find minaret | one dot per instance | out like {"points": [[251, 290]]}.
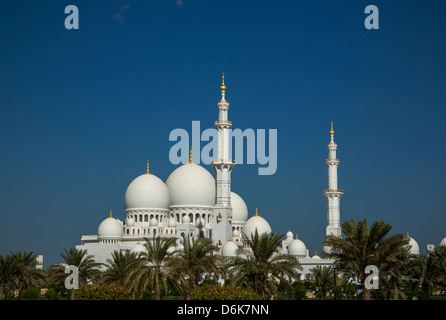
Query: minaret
{"points": [[333, 194], [222, 167]]}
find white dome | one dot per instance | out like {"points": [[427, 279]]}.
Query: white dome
{"points": [[153, 222], [289, 235], [297, 248], [229, 249], [172, 222], [235, 233], [443, 242], [239, 208], [139, 248], [191, 186], [110, 228], [147, 191], [186, 219], [316, 257], [414, 247], [256, 222]]}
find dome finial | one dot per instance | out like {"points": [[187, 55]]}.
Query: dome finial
{"points": [[257, 214], [296, 236], [223, 87], [331, 131], [111, 214], [148, 172], [190, 155], [407, 235]]}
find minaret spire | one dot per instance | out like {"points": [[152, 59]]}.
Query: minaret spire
{"points": [[223, 87], [333, 194]]}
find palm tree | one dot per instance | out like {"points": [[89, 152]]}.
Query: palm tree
{"points": [[262, 262], [23, 270], [396, 268], [323, 279], [364, 246], [430, 271], [190, 264], [88, 268], [120, 267], [439, 256], [6, 272], [151, 268]]}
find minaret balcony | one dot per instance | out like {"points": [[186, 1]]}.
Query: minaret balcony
{"points": [[224, 161], [223, 121], [333, 191], [223, 124]]}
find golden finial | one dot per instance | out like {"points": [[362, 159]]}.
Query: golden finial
{"points": [[407, 235], [296, 236], [111, 214], [223, 87], [331, 131], [148, 172], [257, 214], [190, 155]]}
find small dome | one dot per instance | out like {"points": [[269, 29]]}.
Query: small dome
{"points": [[443, 242], [235, 233], [256, 222], [191, 186], [289, 235], [316, 257], [413, 245], [139, 248], [186, 219], [147, 191], [110, 228], [172, 222], [297, 248], [239, 208], [229, 249], [153, 222]]}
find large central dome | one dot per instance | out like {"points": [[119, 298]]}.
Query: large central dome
{"points": [[147, 191], [191, 186]]}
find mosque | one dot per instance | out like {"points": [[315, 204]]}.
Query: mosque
{"points": [[193, 203]]}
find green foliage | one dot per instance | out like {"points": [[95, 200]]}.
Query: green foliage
{"points": [[218, 292], [51, 294], [101, 292], [31, 293], [208, 282], [299, 290]]}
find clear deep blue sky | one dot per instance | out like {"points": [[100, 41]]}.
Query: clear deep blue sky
{"points": [[82, 110]]}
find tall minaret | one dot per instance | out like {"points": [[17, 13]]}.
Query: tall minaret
{"points": [[222, 167], [333, 194]]}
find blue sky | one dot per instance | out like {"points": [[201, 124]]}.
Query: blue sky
{"points": [[82, 110]]}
